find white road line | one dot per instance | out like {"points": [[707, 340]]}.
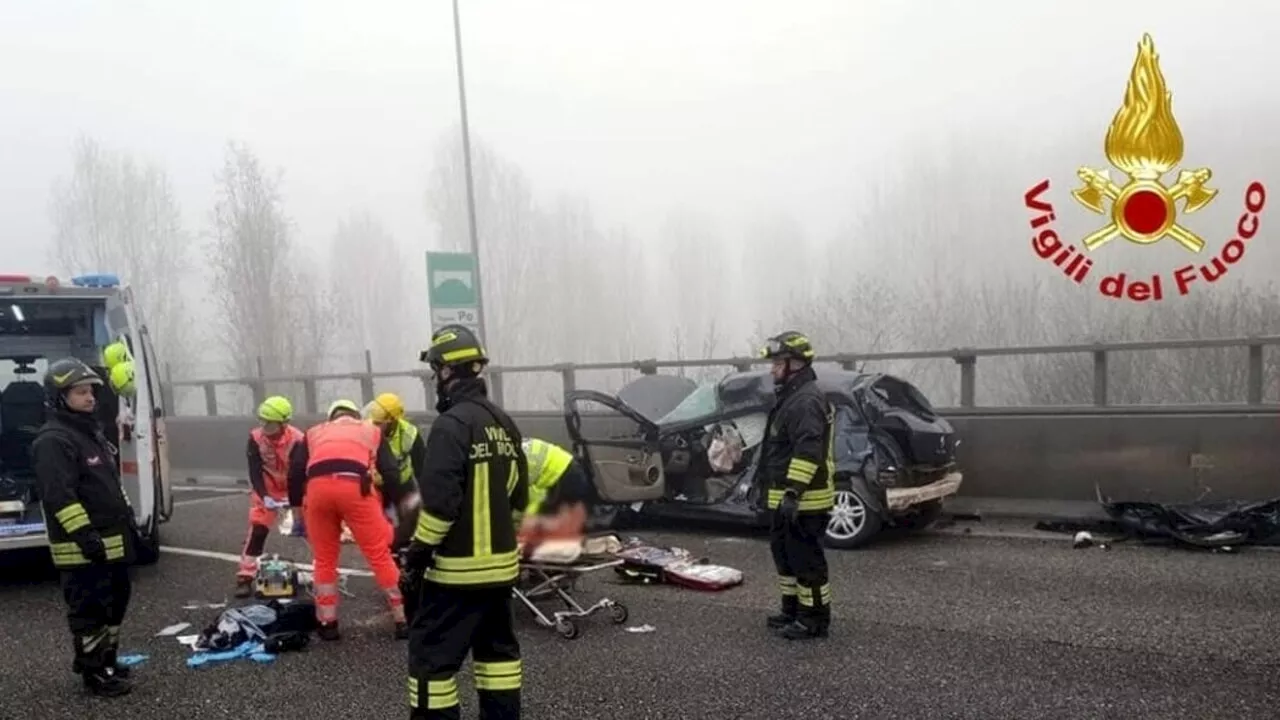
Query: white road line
{"points": [[228, 557], [209, 489], [197, 501]]}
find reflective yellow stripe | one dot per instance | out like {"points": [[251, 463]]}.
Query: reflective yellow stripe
{"points": [[822, 595], [513, 477], [810, 500], [801, 471], [431, 529], [497, 676], [413, 692], [496, 568], [72, 517], [482, 527], [67, 554], [787, 585], [90, 642], [442, 694], [463, 354]]}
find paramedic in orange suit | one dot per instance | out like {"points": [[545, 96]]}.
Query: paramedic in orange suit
{"points": [[269, 451], [330, 477]]}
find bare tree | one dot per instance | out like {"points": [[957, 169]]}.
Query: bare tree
{"points": [[369, 285], [273, 315], [116, 215]]}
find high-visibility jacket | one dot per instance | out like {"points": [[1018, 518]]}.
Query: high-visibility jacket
{"points": [[547, 464], [345, 444], [475, 482], [798, 452], [401, 443], [269, 460]]}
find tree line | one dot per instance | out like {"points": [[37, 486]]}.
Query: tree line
{"points": [[564, 285]]}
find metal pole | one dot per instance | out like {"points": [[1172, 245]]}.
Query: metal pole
{"points": [[466, 156]]}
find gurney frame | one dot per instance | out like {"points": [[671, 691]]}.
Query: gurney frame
{"points": [[557, 579]]}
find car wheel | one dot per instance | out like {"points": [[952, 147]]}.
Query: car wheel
{"points": [[853, 523]]}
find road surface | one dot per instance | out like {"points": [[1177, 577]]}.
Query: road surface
{"points": [[939, 625]]}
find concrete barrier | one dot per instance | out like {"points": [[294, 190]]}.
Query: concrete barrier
{"points": [[1160, 457]]}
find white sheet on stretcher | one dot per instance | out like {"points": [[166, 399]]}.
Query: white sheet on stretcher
{"points": [[557, 552]]}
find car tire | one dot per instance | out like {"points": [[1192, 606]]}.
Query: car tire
{"points": [[853, 523]]}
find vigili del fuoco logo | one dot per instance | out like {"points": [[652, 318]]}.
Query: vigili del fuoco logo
{"points": [[1145, 143]]}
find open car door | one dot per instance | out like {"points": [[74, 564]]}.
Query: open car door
{"points": [[160, 445], [617, 445], [136, 447]]}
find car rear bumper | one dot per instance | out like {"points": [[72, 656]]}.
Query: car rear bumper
{"points": [[900, 499]]}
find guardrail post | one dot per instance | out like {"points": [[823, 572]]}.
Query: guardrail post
{"points": [[166, 391], [309, 396], [968, 381], [567, 378], [647, 367], [428, 391], [366, 381], [1100, 377], [495, 388], [1253, 391], [742, 364], [211, 399], [259, 385]]}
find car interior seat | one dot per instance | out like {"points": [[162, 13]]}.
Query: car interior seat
{"points": [[21, 415]]}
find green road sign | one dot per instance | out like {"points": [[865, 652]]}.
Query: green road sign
{"points": [[451, 281]]}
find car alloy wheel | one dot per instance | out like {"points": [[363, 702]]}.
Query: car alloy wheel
{"points": [[848, 516]]}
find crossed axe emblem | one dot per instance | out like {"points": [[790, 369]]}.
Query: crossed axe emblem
{"points": [[1098, 185]]}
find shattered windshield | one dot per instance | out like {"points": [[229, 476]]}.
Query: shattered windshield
{"points": [[701, 403]]}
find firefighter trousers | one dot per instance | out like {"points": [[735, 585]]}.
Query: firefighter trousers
{"points": [[449, 623], [801, 563], [330, 501], [97, 596]]}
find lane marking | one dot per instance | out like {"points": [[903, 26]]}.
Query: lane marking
{"points": [[210, 489], [229, 557], [197, 501]]}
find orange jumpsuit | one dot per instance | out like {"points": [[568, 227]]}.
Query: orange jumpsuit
{"points": [[330, 476], [269, 476]]}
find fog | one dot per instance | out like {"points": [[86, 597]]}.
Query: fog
{"points": [[653, 180]]}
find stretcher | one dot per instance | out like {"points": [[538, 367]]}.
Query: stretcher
{"points": [[554, 576]]}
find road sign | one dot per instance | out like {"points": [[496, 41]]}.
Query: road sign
{"points": [[452, 291]]}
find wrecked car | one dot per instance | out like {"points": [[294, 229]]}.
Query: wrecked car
{"points": [[666, 446]]}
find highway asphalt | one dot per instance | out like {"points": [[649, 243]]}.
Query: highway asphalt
{"points": [[938, 625]]}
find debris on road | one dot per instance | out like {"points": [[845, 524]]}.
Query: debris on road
{"points": [[173, 629], [1083, 539], [646, 628], [643, 563]]}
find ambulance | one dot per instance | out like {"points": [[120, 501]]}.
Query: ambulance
{"points": [[42, 320]]}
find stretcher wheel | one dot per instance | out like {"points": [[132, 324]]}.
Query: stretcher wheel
{"points": [[567, 629], [618, 613]]}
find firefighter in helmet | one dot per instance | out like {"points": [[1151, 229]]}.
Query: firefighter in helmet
{"points": [[796, 471], [463, 557], [410, 451]]}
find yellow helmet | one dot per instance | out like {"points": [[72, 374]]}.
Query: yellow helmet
{"points": [[115, 354], [385, 408], [122, 379], [276, 408]]}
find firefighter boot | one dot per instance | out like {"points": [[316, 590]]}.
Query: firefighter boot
{"points": [[809, 624], [103, 682], [790, 607], [244, 586], [329, 631], [116, 669]]}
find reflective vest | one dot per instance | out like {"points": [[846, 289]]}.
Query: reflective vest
{"points": [[547, 462], [401, 443], [345, 438], [275, 455]]}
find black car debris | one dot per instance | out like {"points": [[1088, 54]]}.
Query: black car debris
{"points": [[666, 446]]}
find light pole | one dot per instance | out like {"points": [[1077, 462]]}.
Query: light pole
{"points": [[466, 157]]}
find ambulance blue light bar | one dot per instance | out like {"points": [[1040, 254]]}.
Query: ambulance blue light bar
{"points": [[101, 280]]}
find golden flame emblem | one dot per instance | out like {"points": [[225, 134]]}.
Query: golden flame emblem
{"points": [[1144, 142]]}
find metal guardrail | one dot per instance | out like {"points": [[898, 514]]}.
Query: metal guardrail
{"points": [[965, 358]]}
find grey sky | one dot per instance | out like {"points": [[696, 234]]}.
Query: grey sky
{"points": [[738, 107]]}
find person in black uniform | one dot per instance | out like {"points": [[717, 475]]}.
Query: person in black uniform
{"points": [[796, 470], [91, 527], [463, 556]]}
